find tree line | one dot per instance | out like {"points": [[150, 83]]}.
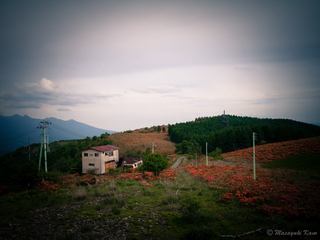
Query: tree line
{"points": [[229, 132]]}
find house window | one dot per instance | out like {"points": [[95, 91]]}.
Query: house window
{"points": [[85, 154], [108, 154], [96, 154], [91, 164]]}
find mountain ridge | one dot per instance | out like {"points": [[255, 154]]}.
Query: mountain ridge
{"points": [[21, 130]]}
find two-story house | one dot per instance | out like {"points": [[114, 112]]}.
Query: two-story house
{"points": [[99, 159]]}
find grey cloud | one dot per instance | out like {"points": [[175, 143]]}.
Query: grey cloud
{"points": [[34, 99], [313, 95]]}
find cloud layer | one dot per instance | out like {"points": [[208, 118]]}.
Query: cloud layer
{"points": [[126, 64]]}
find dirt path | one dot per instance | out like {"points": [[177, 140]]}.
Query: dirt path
{"points": [[178, 162]]}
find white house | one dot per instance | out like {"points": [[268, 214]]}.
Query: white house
{"points": [[99, 159]]}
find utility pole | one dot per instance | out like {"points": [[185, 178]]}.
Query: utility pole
{"points": [[29, 147], [43, 126], [196, 160], [207, 163], [152, 148], [254, 154]]}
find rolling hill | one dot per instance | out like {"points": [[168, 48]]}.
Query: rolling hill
{"points": [[17, 131], [230, 132]]}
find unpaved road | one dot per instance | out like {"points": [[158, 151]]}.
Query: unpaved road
{"points": [[178, 162]]}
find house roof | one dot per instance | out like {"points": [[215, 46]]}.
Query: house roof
{"points": [[130, 160], [103, 148]]}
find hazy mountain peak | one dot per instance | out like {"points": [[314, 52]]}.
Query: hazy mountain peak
{"points": [[18, 130]]}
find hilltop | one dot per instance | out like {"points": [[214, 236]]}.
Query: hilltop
{"points": [[229, 132]]}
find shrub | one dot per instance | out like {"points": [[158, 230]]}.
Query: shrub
{"points": [[154, 163]]}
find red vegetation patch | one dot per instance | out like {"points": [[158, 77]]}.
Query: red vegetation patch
{"points": [[48, 186], [267, 193], [276, 151], [168, 174], [144, 178]]}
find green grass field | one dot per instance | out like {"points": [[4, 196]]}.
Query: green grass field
{"points": [[186, 208]]}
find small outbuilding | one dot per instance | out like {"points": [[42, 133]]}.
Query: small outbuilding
{"points": [[131, 162], [100, 159]]}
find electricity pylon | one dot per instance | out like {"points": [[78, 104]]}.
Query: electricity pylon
{"points": [[43, 126]]}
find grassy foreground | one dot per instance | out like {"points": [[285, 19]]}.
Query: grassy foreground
{"points": [[184, 208]]}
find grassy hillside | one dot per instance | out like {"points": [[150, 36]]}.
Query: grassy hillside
{"points": [[142, 140], [233, 132]]}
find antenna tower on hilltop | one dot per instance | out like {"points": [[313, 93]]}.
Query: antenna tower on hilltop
{"points": [[225, 118]]}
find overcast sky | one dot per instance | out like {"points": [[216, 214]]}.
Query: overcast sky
{"points": [[128, 64]]}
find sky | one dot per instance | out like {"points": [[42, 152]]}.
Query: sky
{"points": [[129, 64]]}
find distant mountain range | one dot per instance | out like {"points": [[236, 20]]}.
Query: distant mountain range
{"points": [[17, 131]]}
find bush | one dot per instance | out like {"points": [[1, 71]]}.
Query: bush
{"points": [[216, 153], [154, 163]]}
